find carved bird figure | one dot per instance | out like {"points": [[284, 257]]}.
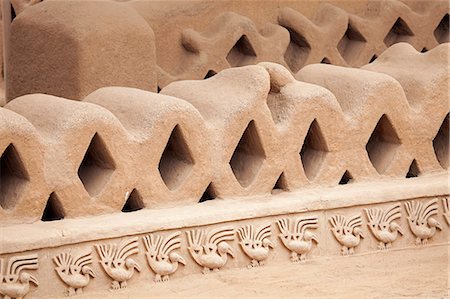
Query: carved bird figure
{"points": [[382, 225], [347, 232], [255, 245], [296, 237], [422, 225], [14, 283], [210, 251], [446, 204], [161, 256], [115, 260], [75, 273]]}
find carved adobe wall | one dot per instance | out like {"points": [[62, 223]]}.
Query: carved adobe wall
{"points": [[203, 39]]}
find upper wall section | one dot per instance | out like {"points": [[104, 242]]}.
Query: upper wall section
{"points": [[197, 39], [71, 48]]}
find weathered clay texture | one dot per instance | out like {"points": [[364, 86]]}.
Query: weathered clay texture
{"points": [[246, 131], [71, 48]]}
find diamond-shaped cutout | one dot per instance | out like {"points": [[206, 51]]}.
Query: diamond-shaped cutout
{"points": [[248, 156], [242, 53], [209, 194], [210, 74], [297, 52], [314, 150], [424, 50], [325, 60], [280, 185], [441, 32], [346, 178], [13, 177], [97, 166], [351, 44], [134, 202], [383, 144], [441, 143], [176, 161], [374, 57], [53, 209], [413, 170], [400, 32]]}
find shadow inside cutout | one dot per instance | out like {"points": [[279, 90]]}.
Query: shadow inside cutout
{"points": [[13, 177], [97, 166], [53, 209], [248, 156]]}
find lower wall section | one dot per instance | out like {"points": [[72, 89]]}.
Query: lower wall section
{"points": [[94, 254]]}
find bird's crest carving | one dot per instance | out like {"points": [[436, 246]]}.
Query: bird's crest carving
{"points": [[161, 256], [256, 243], [420, 219], [74, 272], [14, 282], [382, 225], [210, 250], [115, 260], [347, 231], [297, 237]]}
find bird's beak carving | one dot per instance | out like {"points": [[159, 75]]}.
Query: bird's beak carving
{"points": [[34, 280], [438, 225], [230, 252], [182, 261], [90, 272], [314, 237]]}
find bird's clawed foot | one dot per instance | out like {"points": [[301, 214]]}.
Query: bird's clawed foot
{"points": [[123, 284], [205, 270], [115, 285], [381, 246], [424, 241], [261, 263], [344, 251], [418, 241], [71, 292], [79, 291], [165, 278], [157, 278], [253, 264], [388, 245], [294, 257], [351, 251]]}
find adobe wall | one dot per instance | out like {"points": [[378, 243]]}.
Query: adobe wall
{"points": [[122, 166]]}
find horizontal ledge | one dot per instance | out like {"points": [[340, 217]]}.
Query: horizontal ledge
{"points": [[23, 237]]}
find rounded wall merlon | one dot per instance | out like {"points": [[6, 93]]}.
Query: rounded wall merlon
{"points": [[123, 149], [71, 49]]}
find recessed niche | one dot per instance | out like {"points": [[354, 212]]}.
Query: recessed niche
{"points": [[13, 177], [176, 161], [281, 184], [242, 53], [413, 170], [297, 52], [248, 156], [441, 33], [400, 32], [424, 50], [210, 74], [314, 150], [209, 194], [325, 60], [53, 209], [374, 57], [441, 143], [346, 178], [351, 44], [97, 166], [134, 202], [383, 144]]}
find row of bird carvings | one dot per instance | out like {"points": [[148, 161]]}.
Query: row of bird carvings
{"points": [[210, 248]]}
